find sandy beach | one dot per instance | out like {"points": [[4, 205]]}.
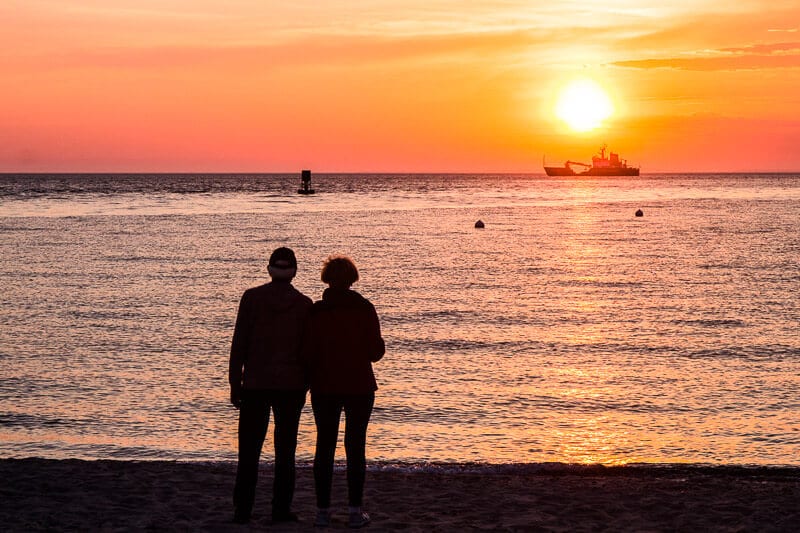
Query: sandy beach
{"points": [[40, 494]]}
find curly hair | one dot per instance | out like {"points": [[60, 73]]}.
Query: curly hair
{"points": [[339, 271]]}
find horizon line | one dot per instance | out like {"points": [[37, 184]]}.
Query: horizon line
{"points": [[366, 172]]}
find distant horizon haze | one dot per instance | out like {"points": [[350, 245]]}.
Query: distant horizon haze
{"points": [[322, 173]]}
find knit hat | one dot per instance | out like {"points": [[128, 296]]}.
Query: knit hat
{"points": [[282, 264]]}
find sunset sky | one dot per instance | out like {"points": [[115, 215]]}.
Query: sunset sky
{"points": [[387, 86]]}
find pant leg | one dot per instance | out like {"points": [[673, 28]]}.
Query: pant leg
{"points": [[327, 411], [253, 422], [286, 406], [357, 411]]}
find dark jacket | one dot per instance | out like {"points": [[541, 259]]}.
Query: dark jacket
{"points": [[343, 340], [265, 351]]}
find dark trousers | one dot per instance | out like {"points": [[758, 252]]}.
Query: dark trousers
{"points": [[253, 422], [327, 411]]}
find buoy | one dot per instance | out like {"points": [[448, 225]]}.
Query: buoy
{"points": [[479, 224], [639, 213], [305, 176]]}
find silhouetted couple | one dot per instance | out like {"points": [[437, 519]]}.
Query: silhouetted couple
{"points": [[282, 345]]}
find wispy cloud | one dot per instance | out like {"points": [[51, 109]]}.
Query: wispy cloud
{"points": [[312, 50], [752, 57]]}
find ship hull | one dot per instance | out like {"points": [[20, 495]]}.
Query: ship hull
{"points": [[565, 171], [623, 171], [559, 171]]}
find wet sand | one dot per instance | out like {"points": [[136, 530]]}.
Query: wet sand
{"points": [[38, 494]]}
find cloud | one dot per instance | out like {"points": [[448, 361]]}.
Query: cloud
{"points": [[751, 57], [328, 50], [764, 49]]}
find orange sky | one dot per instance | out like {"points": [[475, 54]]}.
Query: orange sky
{"points": [[387, 86]]}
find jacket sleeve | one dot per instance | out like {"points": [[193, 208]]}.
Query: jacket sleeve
{"points": [[307, 350], [239, 344], [377, 347]]}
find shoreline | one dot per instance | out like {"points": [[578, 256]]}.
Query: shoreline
{"points": [[73, 494]]}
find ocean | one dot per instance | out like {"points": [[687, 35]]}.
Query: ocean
{"points": [[567, 330]]}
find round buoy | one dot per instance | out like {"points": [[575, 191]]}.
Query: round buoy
{"points": [[639, 213], [479, 224]]}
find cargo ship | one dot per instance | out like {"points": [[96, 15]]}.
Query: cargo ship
{"points": [[601, 166]]}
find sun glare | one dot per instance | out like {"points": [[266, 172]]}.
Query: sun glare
{"points": [[583, 105]]}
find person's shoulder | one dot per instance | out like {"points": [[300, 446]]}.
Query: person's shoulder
{"points": [[283, 290], [254, 291], [301, 298], [361, 299]]}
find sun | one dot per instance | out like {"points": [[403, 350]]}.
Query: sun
{"points": [[583, 105]]}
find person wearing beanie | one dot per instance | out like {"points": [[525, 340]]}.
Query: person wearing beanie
{"points": [[266, 373], [343, 340]]}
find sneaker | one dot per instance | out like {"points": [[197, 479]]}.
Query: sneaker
{"points": [[323, 518], [358, 519], [284, 516]]}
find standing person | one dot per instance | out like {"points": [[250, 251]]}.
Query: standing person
{"points": [[266, 373], [344, 340]]}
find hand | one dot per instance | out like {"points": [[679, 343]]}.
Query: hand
{"points": [[236, 398]]}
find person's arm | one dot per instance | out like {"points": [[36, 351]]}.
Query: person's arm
{"points": [[377, 347], [241, 337], [306, 354]]}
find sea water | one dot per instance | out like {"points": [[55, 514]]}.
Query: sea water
{"points": [[566, 330]]}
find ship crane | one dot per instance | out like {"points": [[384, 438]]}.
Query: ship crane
{"points": [[576, 163]]}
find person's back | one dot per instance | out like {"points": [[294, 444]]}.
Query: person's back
{"points": [[346, 341], [271, 321]]}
